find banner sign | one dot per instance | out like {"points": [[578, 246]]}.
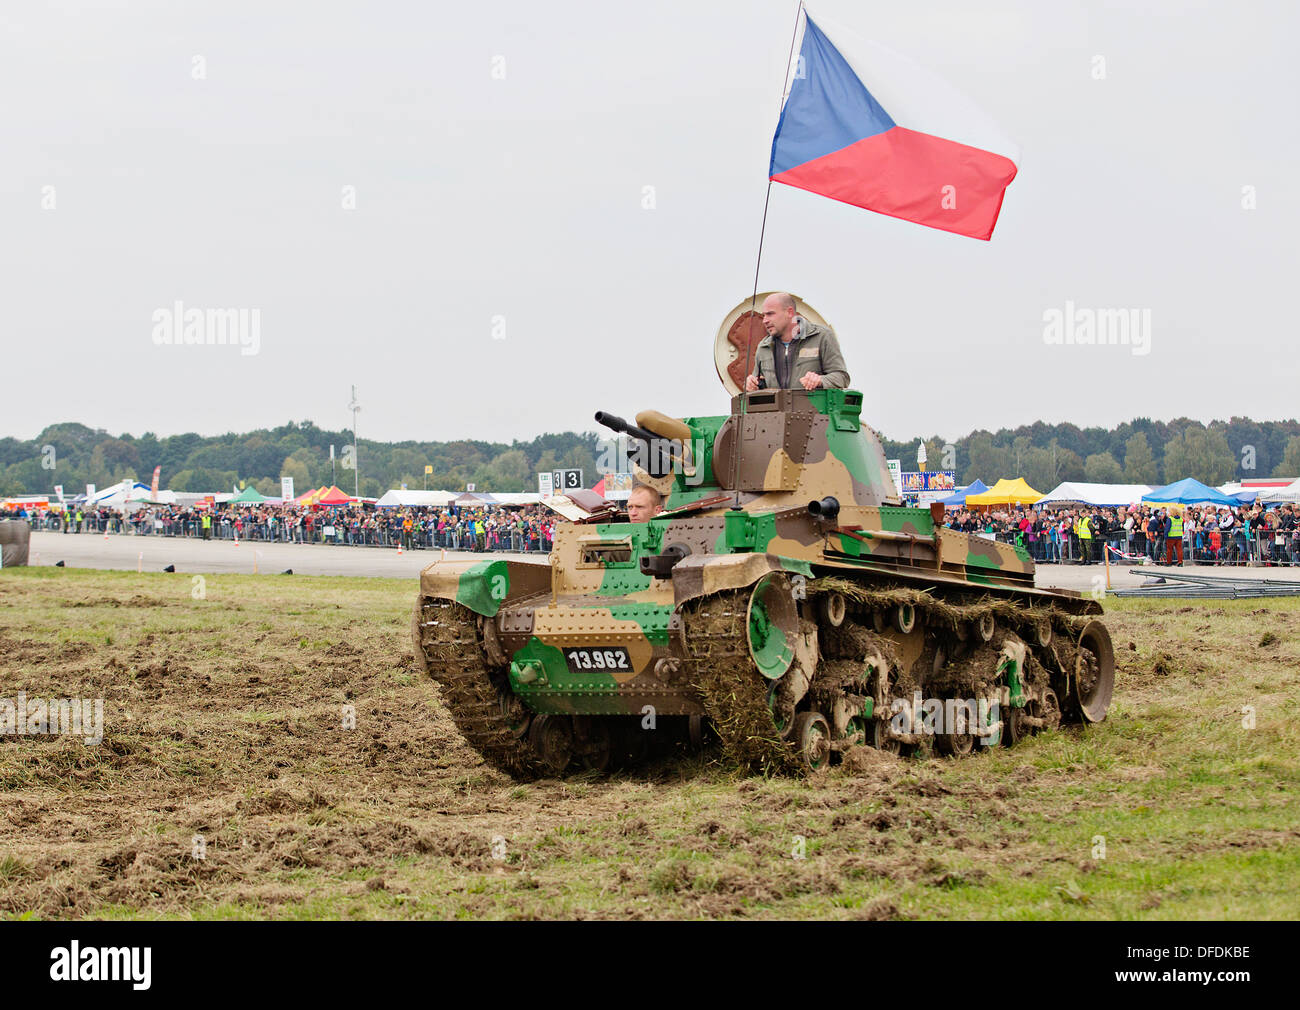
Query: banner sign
{"points": [[546, 484], [896, 472], [286, 489], [915, 481]]}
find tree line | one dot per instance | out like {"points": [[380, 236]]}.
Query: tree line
{"points": [[74, 455], [1141, 451]]}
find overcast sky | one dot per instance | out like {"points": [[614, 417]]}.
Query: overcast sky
{"points": [[500, 274]]}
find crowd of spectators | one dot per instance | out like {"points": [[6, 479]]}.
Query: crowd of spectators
{"points": [[495, 528], [1200, 534], [1206, 534]]}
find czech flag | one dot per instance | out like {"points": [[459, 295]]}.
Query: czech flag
{"points": [[867, 126]]}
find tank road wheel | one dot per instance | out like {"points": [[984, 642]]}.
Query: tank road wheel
{"points": [[955, 744], [1094, 672], [552, 739], [1043, 633], [879, 738], [1045, 715], [773, 622], [695, 732], [516, 714], [986, 627], [595, 746], [856, 731], [783, 721], [905, 618], [812, 735], [1051, 710]]}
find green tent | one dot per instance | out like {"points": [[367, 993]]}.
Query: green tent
{"points": [[248, 496]]}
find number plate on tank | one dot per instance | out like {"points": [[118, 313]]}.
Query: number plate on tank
{"points": [[585, 660]]}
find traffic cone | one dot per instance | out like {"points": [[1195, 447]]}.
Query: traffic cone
{"points": [[399, 548]]}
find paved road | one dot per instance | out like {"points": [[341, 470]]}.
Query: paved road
{"points": [[152, 554]]}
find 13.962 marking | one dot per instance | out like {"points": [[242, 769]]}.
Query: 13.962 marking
{"points": [[597, 659]]}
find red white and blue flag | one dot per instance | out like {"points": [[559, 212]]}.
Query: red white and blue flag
{"points": [[867, 126]]}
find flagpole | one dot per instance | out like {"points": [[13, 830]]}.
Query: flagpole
{"points": [[753, 301]]}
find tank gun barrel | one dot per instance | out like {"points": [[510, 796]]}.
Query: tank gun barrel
{"points": [[616, 423], [656, 447]]}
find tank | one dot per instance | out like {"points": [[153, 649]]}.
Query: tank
{"points": [[784, 604]]}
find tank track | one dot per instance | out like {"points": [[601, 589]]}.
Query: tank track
{"points": [[733, 693], [450, 649], [735, 696]]}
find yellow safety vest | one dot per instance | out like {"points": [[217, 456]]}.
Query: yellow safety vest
{"points": [[1176, 526]]}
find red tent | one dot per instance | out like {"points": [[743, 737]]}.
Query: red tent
{"points": [[600, 487], [335, 497]]}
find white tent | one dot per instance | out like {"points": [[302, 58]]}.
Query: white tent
{"points": [[122, 495], [518, 497], [1289, 493], [1074, 493], [407, 499]]}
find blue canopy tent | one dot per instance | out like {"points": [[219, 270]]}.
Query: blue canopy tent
{"points": [[958, 498], [1189, 491]]}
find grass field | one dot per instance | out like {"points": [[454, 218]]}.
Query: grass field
{"points": [[224, 735]]}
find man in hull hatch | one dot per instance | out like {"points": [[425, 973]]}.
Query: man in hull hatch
{"points": [[795, 353]]}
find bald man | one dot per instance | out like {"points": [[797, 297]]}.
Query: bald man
{"points": [[795, 353]]}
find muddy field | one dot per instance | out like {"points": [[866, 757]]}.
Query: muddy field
{"points": [[228, 783]]}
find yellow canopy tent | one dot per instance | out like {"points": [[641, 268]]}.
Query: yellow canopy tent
{"points": [[1005, 492]]}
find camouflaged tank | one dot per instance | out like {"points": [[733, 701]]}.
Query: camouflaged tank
{"points": [[784, 600]]}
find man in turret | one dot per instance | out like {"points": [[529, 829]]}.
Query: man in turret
{"points": [[796, 353]]}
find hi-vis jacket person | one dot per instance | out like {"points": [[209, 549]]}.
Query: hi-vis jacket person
{"points": [[795, 353]]}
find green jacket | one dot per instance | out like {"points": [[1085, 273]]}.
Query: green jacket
{"points": [[815, 349]]}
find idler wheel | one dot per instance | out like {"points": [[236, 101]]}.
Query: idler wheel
{"points": [[812, 734], [986, 627], [905, 618], [1094, 672], [552, 739]]}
